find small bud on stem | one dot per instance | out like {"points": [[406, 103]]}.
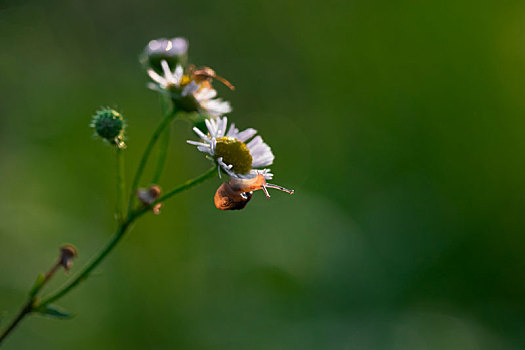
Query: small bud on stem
{"points": [[150, 195], [109, 124], [67, 254]]}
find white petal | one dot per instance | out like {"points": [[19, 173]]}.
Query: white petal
{"points": [[177, 74], [211, 128], [253, 143], [226, 167], [221, 131], [216, 107], [205, 94], [246, 134], [206, 150], [232, 131], [156, 78], [261, 153], [201, 134], [196, 143], [167, 71]]}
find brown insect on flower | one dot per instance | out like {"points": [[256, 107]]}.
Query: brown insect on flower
{"points": [[206, 75], [236, 193]]}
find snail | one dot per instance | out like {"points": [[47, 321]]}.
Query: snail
{"points": [[236, 193]]}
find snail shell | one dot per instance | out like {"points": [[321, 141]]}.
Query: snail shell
{"points": [[236, 193], [226, 198]]}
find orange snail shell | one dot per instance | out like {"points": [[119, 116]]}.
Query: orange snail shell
{"points": [[235, 194]]}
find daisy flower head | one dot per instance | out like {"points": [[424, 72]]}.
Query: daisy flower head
{"points": [[240, 154], [189, 92], [230, 148]]}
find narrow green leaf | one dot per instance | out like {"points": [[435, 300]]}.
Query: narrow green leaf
{"points": [[53, 311], [37, 285]]}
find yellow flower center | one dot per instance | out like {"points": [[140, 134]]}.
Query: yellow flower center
{"points": [[234, 152], [185, 80]]}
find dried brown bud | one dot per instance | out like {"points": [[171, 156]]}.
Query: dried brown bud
{"points": [[147, 197], [67, 254]]}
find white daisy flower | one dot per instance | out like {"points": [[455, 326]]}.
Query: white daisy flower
{"points": [[188, 94], [238, 153]]}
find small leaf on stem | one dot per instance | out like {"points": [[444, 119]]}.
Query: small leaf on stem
{"points": [[53, 311]]}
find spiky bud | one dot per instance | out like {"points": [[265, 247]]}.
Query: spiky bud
{"points": [[109, 124]]}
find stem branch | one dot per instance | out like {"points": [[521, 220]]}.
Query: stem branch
{"points": [[124, 223], [132, 216]]}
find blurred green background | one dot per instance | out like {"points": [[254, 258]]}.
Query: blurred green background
{"points": [[400, 124]]}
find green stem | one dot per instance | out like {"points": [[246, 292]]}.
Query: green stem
{"points": [[121, 185], [26, 310], [164, 142], [188, 184], [165, 122], [185, 186], [161, 159]]}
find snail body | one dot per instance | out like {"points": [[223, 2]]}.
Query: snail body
{"points": [[236, 193]]}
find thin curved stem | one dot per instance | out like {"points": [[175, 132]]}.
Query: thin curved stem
{"points": [[164, 141], [185, 186], [26, 310], [188, 184], [165, 122], [121, 185], [161, 159]]}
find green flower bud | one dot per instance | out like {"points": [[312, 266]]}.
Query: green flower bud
{"points": [[109, 124], [174, 51]]}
